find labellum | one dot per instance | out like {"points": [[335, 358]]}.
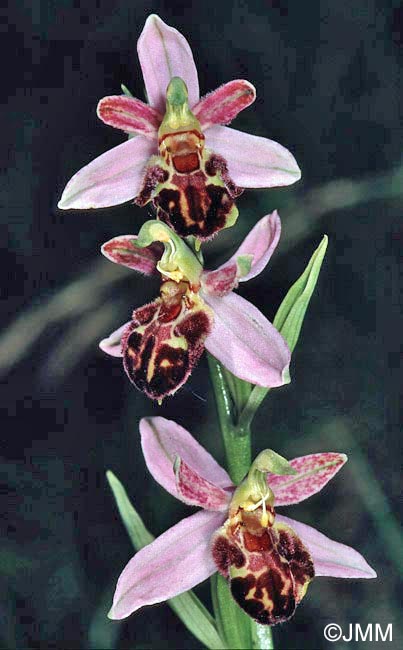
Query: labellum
{"points": [[188, 185], [267, 565], [165, 339]]}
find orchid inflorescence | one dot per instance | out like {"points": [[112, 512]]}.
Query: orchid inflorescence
{"points": [[182, 159]]}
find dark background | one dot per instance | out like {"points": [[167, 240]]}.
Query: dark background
{"points": [[328, 82]]}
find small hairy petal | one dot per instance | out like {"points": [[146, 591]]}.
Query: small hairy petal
{"points": [[130, 115], [261, 242], [164, 53], [314, 471], [246, 343], [330, 558], [258, 246], [162, 440], [123, 250], [222, 280], [222, 105], [173, 563], [253, 161], [112, 345], [197, 491], [112, 178]]}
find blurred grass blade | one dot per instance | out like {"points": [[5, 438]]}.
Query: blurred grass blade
{"points": [[187, 606], [288, 321], [102, 632], [232, 620], [290, 315]]}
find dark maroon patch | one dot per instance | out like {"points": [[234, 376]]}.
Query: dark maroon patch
{"points": [[226, 554], [154, 176], [171, 369], [203, 210], [144, 315], [194, 328], [218, 165], [152, 364], [298, 557]]}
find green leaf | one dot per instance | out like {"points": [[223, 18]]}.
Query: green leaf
{"points": [[289, 318], [186, 606], [232, 620], [262, 638], [288, 321], [138, 533], [126, 91]]}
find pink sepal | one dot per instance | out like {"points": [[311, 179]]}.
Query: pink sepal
{"points": [[246, 343], [163, 440], [314, 471], [223, 104], [114, 177], [164, 53], [197, 491], [261, 243], [130, 115], [253, 161], [176, 561], [329, 557], [122, 250]]}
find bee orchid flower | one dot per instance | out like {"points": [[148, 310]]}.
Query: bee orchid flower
{"points": [[268, 559], [182, 158], [196, 309]]}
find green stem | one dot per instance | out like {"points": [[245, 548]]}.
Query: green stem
{"points": [[231, 396], [237, 440]]}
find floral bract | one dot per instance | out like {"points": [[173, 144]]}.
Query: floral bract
{"points": [[187, 163], [196, 309], [268, 559]]}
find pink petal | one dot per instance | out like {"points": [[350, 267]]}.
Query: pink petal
{"points": [[246, 343], [314, 471], [253, 161], [197, 491], [162, 440], [130, 115], [112, 344], [164, 53], [122, 250], [223, 105], [330, 558], [222, 280], [112, 178], [173, 563], [261, 242]]}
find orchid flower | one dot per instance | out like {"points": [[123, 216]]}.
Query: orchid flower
{"points": [[268, 559], [185, 162], [196, 309]]}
